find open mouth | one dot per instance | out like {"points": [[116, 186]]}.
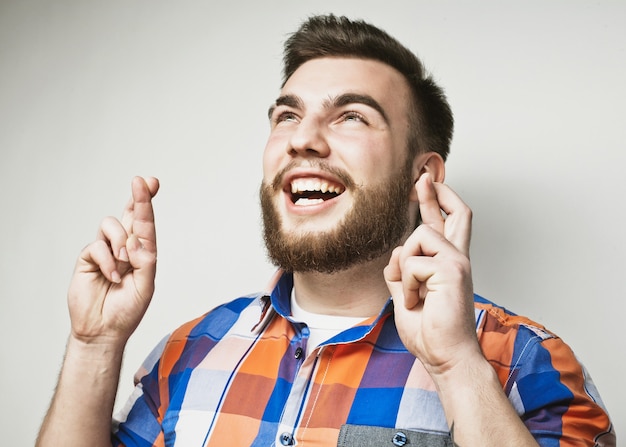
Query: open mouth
{"points": [[312, 191]]}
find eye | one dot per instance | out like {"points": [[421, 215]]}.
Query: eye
{"points": [[283, 116], [352, 116]]}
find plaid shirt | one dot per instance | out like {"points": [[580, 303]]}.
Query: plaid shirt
{"points": [[238, 376]]}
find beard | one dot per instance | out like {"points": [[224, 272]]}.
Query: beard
{"points": [[377, 223]]}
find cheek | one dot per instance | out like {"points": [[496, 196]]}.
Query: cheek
{"points": [[272, 155], [372, 159]]}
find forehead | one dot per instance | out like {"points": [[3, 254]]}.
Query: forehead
{"points": [[326, 77]]}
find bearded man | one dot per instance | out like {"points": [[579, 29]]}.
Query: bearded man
{"points": [[371, 335]]}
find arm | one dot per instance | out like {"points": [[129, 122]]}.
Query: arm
{"points": [[110, 290], [429, 278]]}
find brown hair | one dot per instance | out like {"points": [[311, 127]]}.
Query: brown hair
{"points": [[331, 36]]}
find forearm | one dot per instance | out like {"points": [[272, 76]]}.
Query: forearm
{"points": [[478, 411], [82, 406]]}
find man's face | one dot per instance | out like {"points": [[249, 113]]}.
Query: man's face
{"points": [[336, 178]]}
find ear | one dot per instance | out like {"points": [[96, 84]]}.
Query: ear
{"points": [[430, 162]]}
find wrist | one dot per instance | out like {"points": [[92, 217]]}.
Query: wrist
{"points": [[101, 349], [463, 385], [468, 371], [477, 408]]}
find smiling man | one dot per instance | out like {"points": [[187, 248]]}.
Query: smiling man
{"points": [[336, 165], [371, 334]]}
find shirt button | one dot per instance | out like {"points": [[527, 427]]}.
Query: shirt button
{"points": [[286, 439], [297, 355], [399, 439]]}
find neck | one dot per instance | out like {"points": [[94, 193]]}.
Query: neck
{"points": [[359, 291]]}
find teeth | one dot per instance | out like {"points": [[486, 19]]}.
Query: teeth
{"points": [[304, 202], [313, 185]]}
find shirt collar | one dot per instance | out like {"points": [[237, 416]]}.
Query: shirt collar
{"points": [[279, 302]]}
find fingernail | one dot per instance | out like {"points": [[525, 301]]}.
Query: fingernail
{"points": [[115, 277], [123, 254]]}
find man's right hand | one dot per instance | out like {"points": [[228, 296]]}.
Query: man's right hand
{"points": [[110, 291], [113, 281]]}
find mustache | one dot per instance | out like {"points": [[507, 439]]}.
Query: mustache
{"points": [[341, 174]]}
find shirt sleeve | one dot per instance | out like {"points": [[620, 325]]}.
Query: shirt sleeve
{"points": [[555, 395], [138, 422]]}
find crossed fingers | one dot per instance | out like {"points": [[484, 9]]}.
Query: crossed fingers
{"points": [[444, 211], [135, 230]]}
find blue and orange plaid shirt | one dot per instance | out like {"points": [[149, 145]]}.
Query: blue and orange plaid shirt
{"points": [[238, 376]]}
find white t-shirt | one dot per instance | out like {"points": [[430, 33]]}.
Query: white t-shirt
{"points": [[321, 326]]}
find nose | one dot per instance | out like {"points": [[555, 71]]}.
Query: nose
{"points": [[308, 140]]}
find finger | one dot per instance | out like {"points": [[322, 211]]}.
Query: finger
{"points": [[393, 275], [425, 241], [430, 209], [419, 250], [406, 280], [143, 262], [416, 261], [143, 213], [153, 185], [142, 191], [458, 221], [112, 232], [417, 270], [392, 272], [97, 256]]}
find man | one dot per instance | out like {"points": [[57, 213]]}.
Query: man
{"points": [[352, 200]]}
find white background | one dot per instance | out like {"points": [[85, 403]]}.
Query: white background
{"points": [[92, 93]]}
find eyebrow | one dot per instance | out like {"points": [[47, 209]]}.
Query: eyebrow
{"points": [[338, 101], [292, 101], [357, 98]]}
